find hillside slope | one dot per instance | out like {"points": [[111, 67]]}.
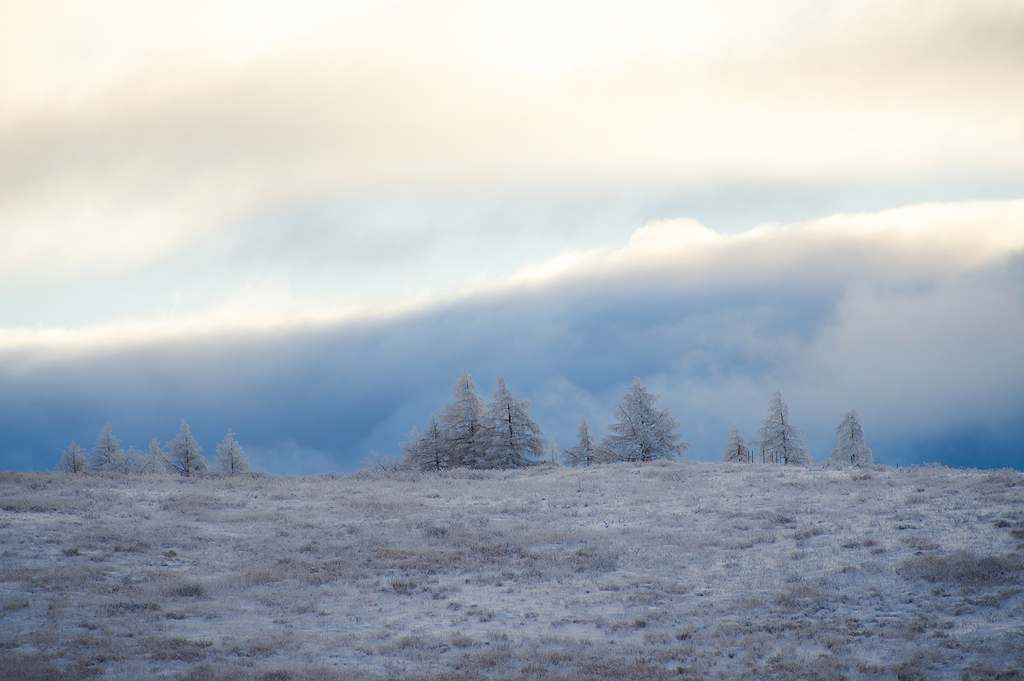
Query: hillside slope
{"points": [[663, 570]]}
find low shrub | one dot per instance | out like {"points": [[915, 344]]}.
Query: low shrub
{"points": [[12, 603], [593, 559], [189, 590], [183, 649], [965, 568], [808, 532]]}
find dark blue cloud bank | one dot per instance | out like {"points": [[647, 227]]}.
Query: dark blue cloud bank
{"points": [[931, 363]]}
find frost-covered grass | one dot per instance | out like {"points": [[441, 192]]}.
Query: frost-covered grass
{"points": [[661, 570]]}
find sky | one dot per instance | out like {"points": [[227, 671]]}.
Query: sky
{"points": [[301, 220]]}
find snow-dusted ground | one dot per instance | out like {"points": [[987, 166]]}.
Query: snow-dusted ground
{"points": [[664, 570]]}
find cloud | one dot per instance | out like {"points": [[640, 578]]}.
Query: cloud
{"points": [[218, 212], [944, 352], [912, 317], [913, 243], [922, 240], [290, 458], [124, 142]]}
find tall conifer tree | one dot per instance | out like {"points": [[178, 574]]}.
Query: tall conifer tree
{"points": [[428, 450], [852, 449], [184, 453], [231, 459], [107, 454], [513, 438], [641, 431], [461, 423], [780, 441]]}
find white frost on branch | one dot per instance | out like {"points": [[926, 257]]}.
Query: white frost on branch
{"points": [[852, 449], [155, 460], [461, 421], [780, 441], [587, 451], [73, 459], [515, 438], [736, 448], [427, 451], [107, 453], [184, 453], [641, 431], [231, 460]]}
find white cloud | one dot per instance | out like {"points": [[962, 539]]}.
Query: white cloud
{"points": [[923, 243], [129, 129], [940, 357], [290, 458], [921, 240]]}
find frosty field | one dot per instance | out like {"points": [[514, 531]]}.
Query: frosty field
{"points": [[664, 570]]}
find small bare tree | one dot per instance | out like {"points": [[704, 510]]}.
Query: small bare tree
{"points": [[736, 448], [383, 463], [73, 459], [587, 450], [155, 460]]}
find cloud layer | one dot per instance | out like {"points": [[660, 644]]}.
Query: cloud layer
{"points": [[910, 244], [128, 133], [301, 222], [913, 317]]}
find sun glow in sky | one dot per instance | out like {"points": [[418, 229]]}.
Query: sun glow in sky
{"points": [[174, 173]]}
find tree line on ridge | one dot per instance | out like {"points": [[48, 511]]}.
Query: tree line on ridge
{"points": [[469, 433], [500, 434], [181, 455]]}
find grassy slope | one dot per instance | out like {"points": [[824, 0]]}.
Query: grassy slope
{"points": [[665, 570]]}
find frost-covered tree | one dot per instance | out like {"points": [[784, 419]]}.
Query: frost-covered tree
{"points": [[736, 448], [553, 453], [514, 439], [185, 458], [779, 440], [132, 461], [462, 425], [383, 463], [155, 460], [107, 455], [73, 459], [231, 460], [852, 449], [587, 450], [642, 432], [427, 451]]}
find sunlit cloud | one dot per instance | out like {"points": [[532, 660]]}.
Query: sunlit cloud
{"points": [[929, 240], [131, 129]]}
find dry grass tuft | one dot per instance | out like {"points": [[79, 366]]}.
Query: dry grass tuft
{"points": [[177, 648], [189, 590], [964, 568]]}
